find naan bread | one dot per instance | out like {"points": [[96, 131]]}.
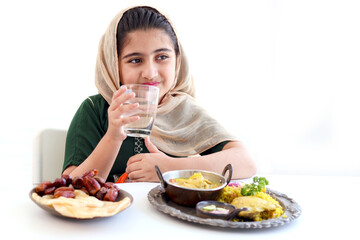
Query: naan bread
{"points": [[82, 206]]}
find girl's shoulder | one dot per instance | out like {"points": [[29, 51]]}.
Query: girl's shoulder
{"points": [[96, 101], [94, 105]]}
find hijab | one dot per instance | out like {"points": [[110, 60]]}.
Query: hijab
{"points": [[181, 127]]}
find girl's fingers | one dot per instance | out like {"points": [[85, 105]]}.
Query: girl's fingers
{"points": [[116, 95], [120, 91], [150, 146], [123, 121], [119, 98], [131, 169], [135, 158], [124, 111], [129, 119]]}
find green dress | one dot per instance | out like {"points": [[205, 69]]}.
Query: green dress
{"points": [[88, 127]]}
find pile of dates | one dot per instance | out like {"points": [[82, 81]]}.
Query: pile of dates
{"points": [[89, 182]]}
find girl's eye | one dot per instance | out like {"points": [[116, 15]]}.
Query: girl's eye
{"points": [[135, 60], [162, 57]]}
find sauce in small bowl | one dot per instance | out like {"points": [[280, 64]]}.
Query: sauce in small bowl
{"points": [[217, 210], [213, 209]]}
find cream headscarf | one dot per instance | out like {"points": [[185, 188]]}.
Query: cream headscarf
{"points": [[181, 127]]}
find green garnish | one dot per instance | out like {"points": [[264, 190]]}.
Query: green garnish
{"points": [[258, 184]]}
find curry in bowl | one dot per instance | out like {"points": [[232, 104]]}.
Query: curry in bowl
{"points": [[188, 187], [197, 180]]}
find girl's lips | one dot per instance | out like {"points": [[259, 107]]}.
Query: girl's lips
{"points": [[152, 83]]}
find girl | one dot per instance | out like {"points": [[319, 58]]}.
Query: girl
{"points": [[140, 46]]}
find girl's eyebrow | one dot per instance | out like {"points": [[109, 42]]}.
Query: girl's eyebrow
{"points": [[132, 55], [162, 50], [140, 54]]}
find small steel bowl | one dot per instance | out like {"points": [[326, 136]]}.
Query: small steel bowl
{"points": [[206, 214], [191, 196], [233, 211]]}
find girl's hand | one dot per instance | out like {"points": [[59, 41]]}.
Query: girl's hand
{"points": [[116, 112], [141, 167]]}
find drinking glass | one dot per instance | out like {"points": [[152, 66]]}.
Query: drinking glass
{"points": [[147, 96]]}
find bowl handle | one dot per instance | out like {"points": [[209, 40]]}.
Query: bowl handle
{"points": [[230, 169], [160, 176], [234, 213]]}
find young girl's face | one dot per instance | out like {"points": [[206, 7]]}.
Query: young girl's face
{"points": [[148, 57]]}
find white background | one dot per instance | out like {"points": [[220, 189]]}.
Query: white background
{"points": [[281, 75]]}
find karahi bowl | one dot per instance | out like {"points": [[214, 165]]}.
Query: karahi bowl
{"points": [[189, 197]]}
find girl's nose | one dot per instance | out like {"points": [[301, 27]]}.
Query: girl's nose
{"points": [[149, 71]]}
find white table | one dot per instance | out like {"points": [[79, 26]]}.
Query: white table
{"points": [[329, 209]]}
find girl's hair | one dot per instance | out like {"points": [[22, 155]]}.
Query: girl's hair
{"points": [[143, 18]]}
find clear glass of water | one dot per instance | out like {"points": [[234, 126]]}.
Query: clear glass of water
{"points": [[147, 97]]}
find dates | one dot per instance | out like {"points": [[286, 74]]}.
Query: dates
{"points": [[77, 182], [42, 187], [60, 182], [47, 187], [100, 180], [101, 193], [89, 183], [67, 178], [49, 190], [111, 194], [67, 192]]}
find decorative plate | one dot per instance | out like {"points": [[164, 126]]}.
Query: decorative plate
{"points": [[158, 198], [121, 196]]}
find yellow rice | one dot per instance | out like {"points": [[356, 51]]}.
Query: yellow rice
{"points": [[230, 193]]}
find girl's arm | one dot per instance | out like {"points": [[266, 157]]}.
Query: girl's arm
{"points": [[234, 153], [141, 167], [102, 158], [105, 153]]}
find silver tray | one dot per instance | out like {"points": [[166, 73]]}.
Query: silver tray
{"points": [[158, 198]]}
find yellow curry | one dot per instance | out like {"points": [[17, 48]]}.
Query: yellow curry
{"points": [[195, 181]]}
